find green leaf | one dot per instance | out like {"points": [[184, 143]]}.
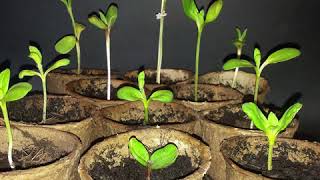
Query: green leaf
{"points": [[238, 33], [214, 11], [24, 73], [243, 36], [112, 14], [281, 55], [4, 80], [35, 57], [93, 19], [79, 29], [103, 17], [190, 9], [164, 96], [288, 116], [257, 57], [255, 114], [65, 44], [141, 81], [200, 20], [18, 91], [237, 63], [58, 64], [130, 94], [138, 151], [272, 119], [34, 49], [64, 2], [164, 157]]}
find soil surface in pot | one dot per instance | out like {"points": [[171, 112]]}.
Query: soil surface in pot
{"points": [[60, 109], [34, 155], [284, 166], [86, 72], [131, 169]]}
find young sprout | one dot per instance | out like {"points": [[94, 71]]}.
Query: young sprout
{"points": [[15, 92], [159, 159], [238, 43], [36, 56], [105, 21], [281, 55], [132, 94], [201, 19], [271, 126], [72, 41], [160, 16]]}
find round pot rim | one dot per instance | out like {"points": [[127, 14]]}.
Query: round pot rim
{"points": [[62, 72]]}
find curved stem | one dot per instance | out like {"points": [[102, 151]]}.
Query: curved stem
{"points": [[9, 133], [270, 153], [44, 89], [160, 51], [107, 33], [197, 67], [239, 51]]}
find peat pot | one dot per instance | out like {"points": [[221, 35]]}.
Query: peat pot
{"points": [[226, 122], [292, 159], [167, 77], [95, 91], [130, 116], [111, 159], [40, 153], [57, 80], [64, 113]]}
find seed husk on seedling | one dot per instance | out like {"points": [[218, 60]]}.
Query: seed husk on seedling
{"points": [[159, 159], [132, 94], [105, 21], [67, 43], [16, 92], [271, 126], [284, 54], [201, 19], [36, 56]]}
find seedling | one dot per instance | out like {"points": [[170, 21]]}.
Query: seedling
{"points": [[16, 92], [281, 55], [201, 19], [105, 21], [36, 56], [159, 159], [132, 94], [68, 42], [238, 43], [160, 16], [271, 126]]}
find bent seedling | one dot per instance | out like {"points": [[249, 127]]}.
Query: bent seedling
{"points": [[67, 43], [238, 43], [201, 19], [105, 21], [132, 94], [36, 56], [278, 56], [159, 159], [271, 126], [16, 92]]}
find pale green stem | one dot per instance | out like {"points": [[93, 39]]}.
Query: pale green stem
{"points": [[44, 89], [107, 34], [256, 91], [146, 113], [160, 51], [78, 56], [239, 50], [197, 67], [270, 153], [9, 133], [78, 40]]}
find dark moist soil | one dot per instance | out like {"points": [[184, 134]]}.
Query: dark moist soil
{"points": [[283, 168], [59, 110], [151, 78], [40, 153], [89, 72], [98, 91], [130, 169]]}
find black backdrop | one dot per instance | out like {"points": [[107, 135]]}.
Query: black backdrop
{"points": [[135, 36]]}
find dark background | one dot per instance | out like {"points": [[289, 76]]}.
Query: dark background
{"points": [[134, 40]]}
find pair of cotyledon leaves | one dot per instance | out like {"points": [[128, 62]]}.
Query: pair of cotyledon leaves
{"points": [[159, 159], [240, 40], [199, 16], [13, 93], [106, 19]]}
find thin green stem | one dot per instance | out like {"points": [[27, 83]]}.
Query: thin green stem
{"points": [[78, 40], [197, 67], [9, 133], [160, 51], [239, 52], [270, 153], [146, 113], [107, 34], [78, 57], [44, 89], [256, 91]]}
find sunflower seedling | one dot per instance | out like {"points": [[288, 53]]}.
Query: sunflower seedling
{"points": [[281, 55], [271, 126], [16, 92], [201, 19], [132, 94], [67, 43], [159, 159], [238, 43], [105, 21], [36, 56]]}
